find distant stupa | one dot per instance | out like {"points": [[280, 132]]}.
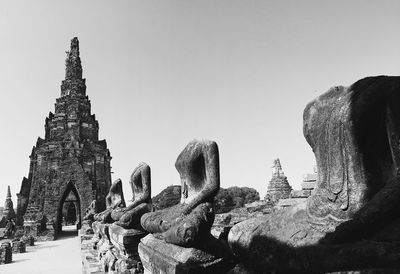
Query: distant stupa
{"points": [[8, 212], [278, 187]]}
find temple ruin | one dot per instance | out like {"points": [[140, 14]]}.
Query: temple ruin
{"points": [[70, 167], [278, 187]]}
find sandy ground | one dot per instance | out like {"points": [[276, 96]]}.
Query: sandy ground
{"points": [[60, 256]]}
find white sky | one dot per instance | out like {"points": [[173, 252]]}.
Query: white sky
{"points": [[161, 73]]}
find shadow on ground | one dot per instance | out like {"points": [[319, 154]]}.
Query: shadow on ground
{"points": [[67, 233]]}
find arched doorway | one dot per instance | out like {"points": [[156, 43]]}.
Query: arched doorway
{"points": [[70, 213], [69, 209]]}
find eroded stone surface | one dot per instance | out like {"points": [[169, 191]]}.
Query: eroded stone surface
{"points": [[91, 211], [88, 219], [350, 221], [188, 222], [129, 217], [278, 187], [69, 160], [114, 199], [5, 253], [160, 257], [124, 256]]}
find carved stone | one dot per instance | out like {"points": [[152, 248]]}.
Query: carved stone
{"points": [[159, 257], [5, 253], [350, 221], [88, 219], [90, 211], [188, 222], [181, 241], [125, 251], [129, 217], [18, 246], [114, 199], [28, 240], [121, 255]]}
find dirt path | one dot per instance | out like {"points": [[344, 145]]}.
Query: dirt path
{"points": [[60, 256]]}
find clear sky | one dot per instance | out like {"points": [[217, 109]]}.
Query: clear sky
{"points": [[161, 73]]}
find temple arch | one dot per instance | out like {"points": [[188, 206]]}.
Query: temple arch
{"points": [[70, 197]]}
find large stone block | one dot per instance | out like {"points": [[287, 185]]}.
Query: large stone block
{"points": [[5, 253], [125, 251], [18, 246], [126, 240], [158, 257], [90, 260]]}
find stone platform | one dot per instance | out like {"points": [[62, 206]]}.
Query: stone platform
{"points": [[159, 257], [125, 250], [90, 260]]}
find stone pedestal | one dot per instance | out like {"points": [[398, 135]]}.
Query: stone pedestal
{"points": [[96, 234], [158, 257], [126, 243], [28, 240], [18, 246], [50, 234], [90, 261], [31, 228], [5, 253], [104, 243], [87, 227]]}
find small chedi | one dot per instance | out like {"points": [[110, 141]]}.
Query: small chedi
{"points": [[180, 239], [278, 187], [351, 220], [7, 219]]}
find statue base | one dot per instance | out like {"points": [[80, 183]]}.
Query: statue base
{"points": [[18, 246], [125, 251], [5, 253], [158, 257], [31, 229], [87, 227]]}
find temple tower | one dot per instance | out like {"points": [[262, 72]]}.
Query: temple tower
{"points": [[70, 163], [278, 187]]}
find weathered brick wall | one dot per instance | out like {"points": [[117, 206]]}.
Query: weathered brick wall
{"points": [[71, 158]]}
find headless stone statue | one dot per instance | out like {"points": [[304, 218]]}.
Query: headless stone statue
{"points": [[129, 217], [187, 223], [114, 199], [351, 221]]}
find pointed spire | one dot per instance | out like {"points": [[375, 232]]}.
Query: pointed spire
{"points": [[277, 169], [8, 211], [278, 187], [73, 65], [8, 192], [73, 84]]}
